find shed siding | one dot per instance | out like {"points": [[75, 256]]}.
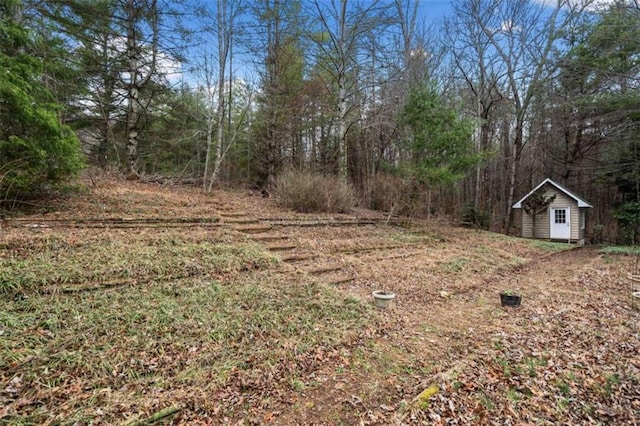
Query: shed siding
{"points": [[575, 222], [542, 219]]}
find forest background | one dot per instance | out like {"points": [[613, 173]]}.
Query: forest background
{"points": [[454, 117]]}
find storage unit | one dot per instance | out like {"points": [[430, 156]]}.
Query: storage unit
{"points": [[563, 220]]}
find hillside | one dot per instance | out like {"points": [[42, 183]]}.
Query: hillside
{"points": [[131, 301]]}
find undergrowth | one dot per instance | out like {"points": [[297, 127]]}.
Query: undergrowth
{"points": [[311, 192], [624, 250]]}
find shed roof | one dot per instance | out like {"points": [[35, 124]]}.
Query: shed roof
{"points": [[580, 201]]}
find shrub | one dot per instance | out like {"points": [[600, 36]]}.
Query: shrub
{"points": [[312, 192], [399, 195], [474, 217], [386, 192], [598, 234], [628, 216]]}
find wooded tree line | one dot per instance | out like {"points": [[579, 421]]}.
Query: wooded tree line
{"points": [[458, 117]]}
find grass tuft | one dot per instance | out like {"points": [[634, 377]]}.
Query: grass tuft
{"points": [[549, 245], [623, 250]]}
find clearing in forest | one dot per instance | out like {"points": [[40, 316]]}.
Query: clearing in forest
{"points": [[142, 303]]}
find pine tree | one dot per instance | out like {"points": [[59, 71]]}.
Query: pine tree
{"points": [[36, 149], [439, 140]]}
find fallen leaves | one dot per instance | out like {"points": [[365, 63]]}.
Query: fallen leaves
{"points": [[575, 364], [227, 352], [423, 397]]}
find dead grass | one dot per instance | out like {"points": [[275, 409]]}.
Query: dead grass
{"points": [[101, 355], [54, 262], [212, 323], [551, 361]]}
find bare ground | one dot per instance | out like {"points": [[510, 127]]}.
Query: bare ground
{"points": [[446, 352]]}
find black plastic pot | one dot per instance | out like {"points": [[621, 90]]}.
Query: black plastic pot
{"points": [[510, 299]]}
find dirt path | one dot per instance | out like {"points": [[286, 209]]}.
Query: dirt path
{"points": [[440, 323]]}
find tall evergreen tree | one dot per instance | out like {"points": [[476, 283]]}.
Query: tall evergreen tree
{"points": [[439, 140], [595, 108], [36, 149], [281, 83]]}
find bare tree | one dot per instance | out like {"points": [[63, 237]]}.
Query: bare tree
{"points": [[339, 37], [209, 89], [477, 65], [516, 38], [225, 19], [141, 67]]}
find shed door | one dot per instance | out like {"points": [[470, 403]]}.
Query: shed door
{"points": [[560, 218]]}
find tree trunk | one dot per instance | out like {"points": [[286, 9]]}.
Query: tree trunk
{"points": [[209, 141], [513, 174], [342, 131], [342, 94], [133, 93], [223, 50], [136, 80]]}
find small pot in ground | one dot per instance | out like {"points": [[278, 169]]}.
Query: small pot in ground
{"points": [[510, 299], [383, 298]]}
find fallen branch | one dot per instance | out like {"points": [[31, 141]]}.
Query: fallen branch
{"points": [[342, 280], [298, 257], [282, 247], [328, 223], [100, 286], [127, 281], [155, 417], [266, 238], [355, 250], [325, 269], [151, 222]]}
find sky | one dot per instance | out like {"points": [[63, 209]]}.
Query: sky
{"points": [[430, 11], [434, 9]]}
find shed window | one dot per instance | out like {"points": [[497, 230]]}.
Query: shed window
{"points": [[561, 216], [582, 220]]}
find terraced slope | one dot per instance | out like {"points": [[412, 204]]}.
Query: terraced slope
{"points": [[139, 302]]}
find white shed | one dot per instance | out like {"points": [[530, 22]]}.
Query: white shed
{"points": [[564, 219]]}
